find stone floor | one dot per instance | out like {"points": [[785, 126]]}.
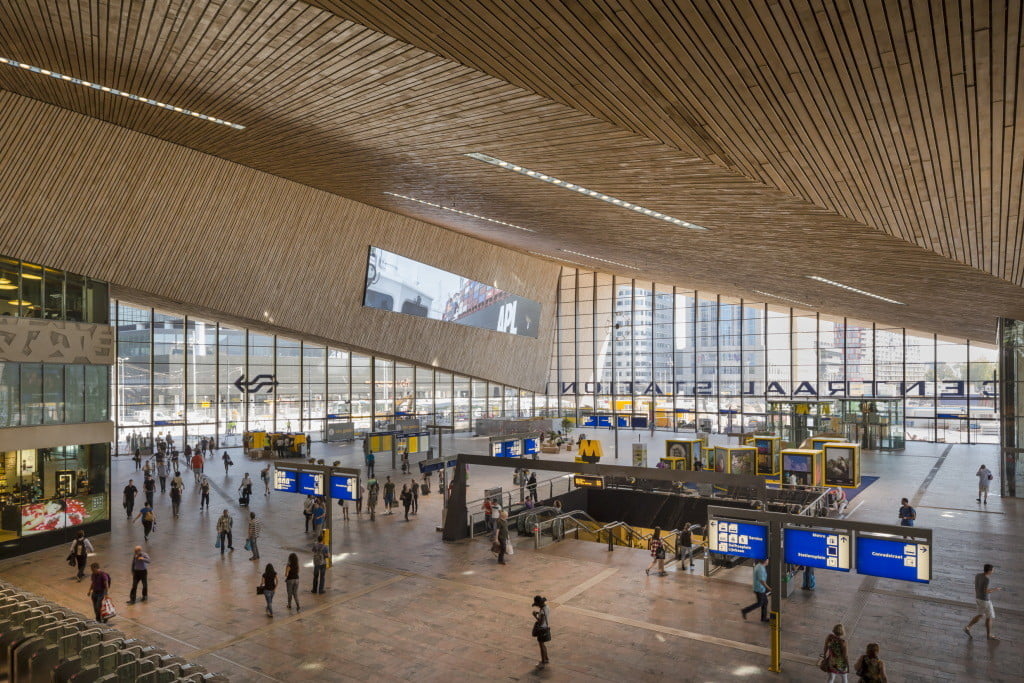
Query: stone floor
{"points": [[402, 604]]}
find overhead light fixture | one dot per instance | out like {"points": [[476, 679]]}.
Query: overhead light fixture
{"points": [[16, 302], [459, 211], [782, 298], [31, 276], [508, 166], [115, 91], [560, 258], [598, 258], [854, 289]]}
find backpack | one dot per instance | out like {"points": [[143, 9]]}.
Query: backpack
{"points": [[148, 517], [318, 554]]}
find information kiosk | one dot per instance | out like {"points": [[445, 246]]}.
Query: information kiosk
{"points": [[735, 459], [842, 465], [682, 451], [802, 467], [818, 442]]}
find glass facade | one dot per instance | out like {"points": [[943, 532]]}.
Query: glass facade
{"points": [[1011, 364], [191, 378], [48, 393], [28, 290], [697, 360]]}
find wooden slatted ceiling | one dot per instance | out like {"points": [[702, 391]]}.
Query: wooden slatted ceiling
{"points": [[346, 109], [900, 114]]}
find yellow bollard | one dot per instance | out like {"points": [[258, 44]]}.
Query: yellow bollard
{"points": [[327, 542]]}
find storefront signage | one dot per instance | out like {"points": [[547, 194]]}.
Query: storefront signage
{"points": [[819, 549], [742, 539], [894, 558], [62, 513]]}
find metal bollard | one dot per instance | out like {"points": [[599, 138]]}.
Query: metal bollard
{"points": [[611, 544]]}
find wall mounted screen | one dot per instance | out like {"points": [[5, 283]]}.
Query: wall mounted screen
{"points": [[402, 285]]}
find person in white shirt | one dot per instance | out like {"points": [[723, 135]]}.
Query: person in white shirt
{"points": [[984, 479], [81, 547]]}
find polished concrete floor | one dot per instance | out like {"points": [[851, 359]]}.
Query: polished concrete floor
{"points": [[401, 604]]}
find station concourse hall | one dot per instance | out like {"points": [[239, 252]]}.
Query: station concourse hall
{"points": [[547, 341]]}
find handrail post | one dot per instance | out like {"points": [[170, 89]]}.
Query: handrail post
{"points": [[611, 546]]}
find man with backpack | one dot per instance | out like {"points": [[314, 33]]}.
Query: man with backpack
{"points": [[907, 513], [320, 552], [80, 549]]}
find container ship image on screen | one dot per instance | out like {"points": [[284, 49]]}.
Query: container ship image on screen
{"points": [[480, 305]]}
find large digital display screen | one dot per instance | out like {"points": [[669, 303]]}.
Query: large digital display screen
{"points": [[402, 285], [894, 558], [344, 487], [286, 481], [311, 483], [819, 549], [738, 538]]}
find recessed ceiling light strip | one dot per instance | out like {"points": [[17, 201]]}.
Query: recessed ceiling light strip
{"points": [[854, 289], [598, 258], [582, 190], [783, 298], [461, 213], [115, 91], [565, 260]]}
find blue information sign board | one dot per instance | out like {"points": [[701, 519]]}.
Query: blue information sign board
{"points": [[286, 481], [344, 487], [742, 539], [311, 483], [894, 558], [819, 549], [531, 446]]}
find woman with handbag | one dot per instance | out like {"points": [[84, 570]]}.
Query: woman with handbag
{"points": [[267, 587], [657, 547], [869, 668], [834, 661], [541, 628]]}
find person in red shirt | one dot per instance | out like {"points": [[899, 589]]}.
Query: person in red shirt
{"points": [[197, 465]]}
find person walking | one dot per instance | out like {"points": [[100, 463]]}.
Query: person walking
{"points": [[835, 660], [372, 490], [307, 511], [224, 524], [175, 500], [869, 667], [130, 491], [761, 590], [369, 458], [981, 597], [291, 581], [149, 488], [161, 473], [227, 462], [148, 517], [80, 549], [197, 465], [265, 478], [138, 459], [320, 552], [245, 491], [140, 574], [253, 537], [415, 489], [907, 513], [343, 504], [268, 586], [389, 495], [147, 469], [501, 534], [531, 486], [406, 497], [685, 545], [204, 493], [99, 587], [319, 516], [542, 628], [984, 480], [178, 482], [657, 548], [488, 508]]}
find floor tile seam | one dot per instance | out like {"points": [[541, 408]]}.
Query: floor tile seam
{"points": [[586, 585], [940, 601], [939, 507], [932, 473], [297, 616], [689, 635]]}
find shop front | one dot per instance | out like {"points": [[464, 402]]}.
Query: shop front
{"points": [[48, 494]]}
